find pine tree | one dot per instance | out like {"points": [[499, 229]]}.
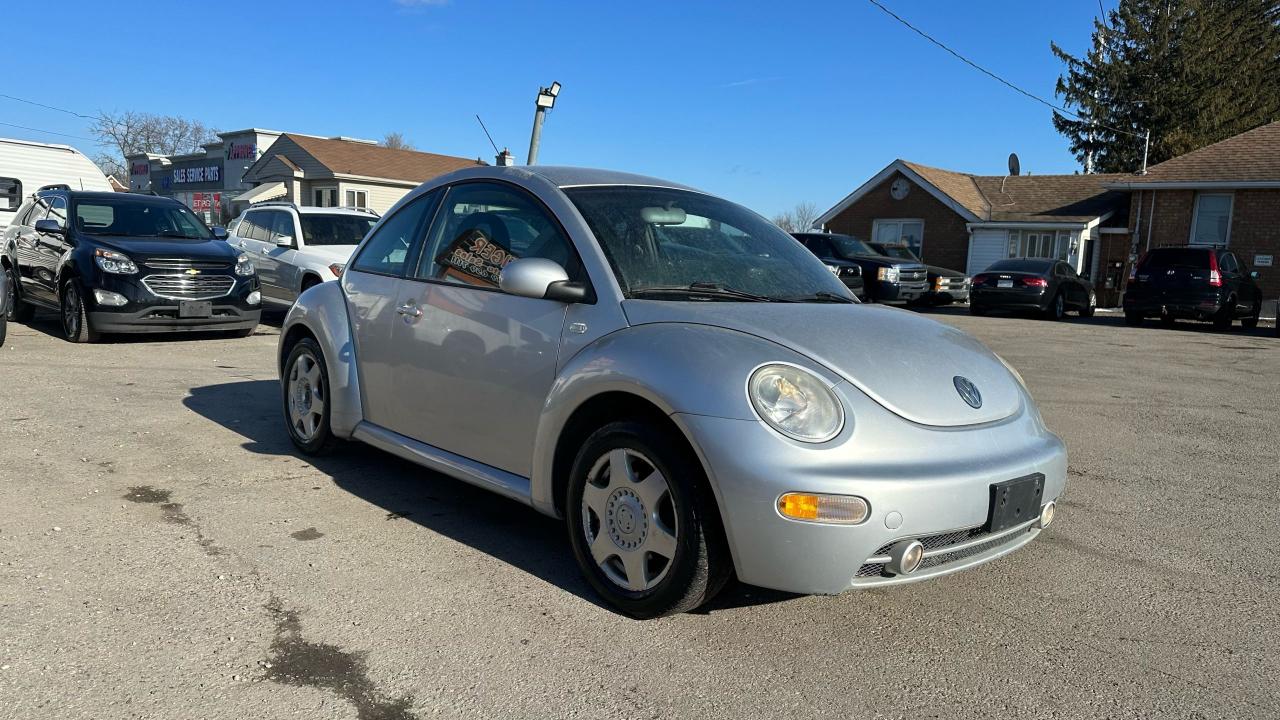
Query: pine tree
{"points": [[1193, 72]]}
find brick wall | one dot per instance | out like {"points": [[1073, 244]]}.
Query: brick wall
{"points": [[1255, 225], [946, 242]]}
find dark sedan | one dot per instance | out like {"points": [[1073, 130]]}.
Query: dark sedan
{"points": [[945, 286], [1049, 287]]}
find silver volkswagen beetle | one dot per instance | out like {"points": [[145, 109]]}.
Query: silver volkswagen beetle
{"points": [[689, 388]]}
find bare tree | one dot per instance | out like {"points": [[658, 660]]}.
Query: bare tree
{"points": [[397, 141], [801, 218], [129, 133]]}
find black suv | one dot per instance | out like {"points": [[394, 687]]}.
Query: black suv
{"points": [[943, 287], [1192, 283], [885, 279], [123, 263]]}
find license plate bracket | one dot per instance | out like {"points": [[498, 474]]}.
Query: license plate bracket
{"points": [[195, 309], [1014, 502], [1004, 283]]}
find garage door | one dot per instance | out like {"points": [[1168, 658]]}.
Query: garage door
{"points": [[986, 247]]}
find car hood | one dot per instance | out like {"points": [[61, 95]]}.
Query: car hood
{"points": [[151, 247], [905, 362], [945, 272], [330, 253]]}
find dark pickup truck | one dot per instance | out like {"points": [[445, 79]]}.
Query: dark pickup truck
{"points": [[885, 279], [1192, 283]]}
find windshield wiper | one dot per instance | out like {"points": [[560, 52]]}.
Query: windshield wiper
{"points": [[700, 289], [824, 296]]}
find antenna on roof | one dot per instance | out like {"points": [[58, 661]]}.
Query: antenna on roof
{"points": [[486, 134], [1015, 167]]}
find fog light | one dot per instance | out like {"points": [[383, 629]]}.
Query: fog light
{"points": [[837, 509], [110, 299], [254, 298], [905, 557], [1046, 515]]}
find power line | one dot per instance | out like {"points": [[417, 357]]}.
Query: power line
{"points": [[997, 78], [51, 107], [47, 132]]}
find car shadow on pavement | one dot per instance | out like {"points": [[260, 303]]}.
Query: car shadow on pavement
{"points": [[501, 528], [49, 323]]}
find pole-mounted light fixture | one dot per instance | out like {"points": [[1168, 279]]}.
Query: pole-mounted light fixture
{"points": [[545, 101]]}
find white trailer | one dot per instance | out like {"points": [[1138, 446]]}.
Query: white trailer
{"points": [[27, 166]]}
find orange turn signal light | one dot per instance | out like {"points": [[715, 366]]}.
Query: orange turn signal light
{"points": [[823, 508]]}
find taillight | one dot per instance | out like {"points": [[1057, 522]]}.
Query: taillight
{"points": [[979, 280], [1035, 282], [1215, 277]]}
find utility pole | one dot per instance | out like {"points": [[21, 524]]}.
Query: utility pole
{"points": [[545, 101]]}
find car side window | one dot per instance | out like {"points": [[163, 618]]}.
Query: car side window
{"points": [[281, 225], [483, 226], [24, 213], [389, 250], [1229, 263], [10, 193], [257, 223], [820, 247], [58, 210]]}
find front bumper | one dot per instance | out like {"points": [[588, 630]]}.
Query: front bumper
{"points": [[146, 312], [900, 291], [920, 483]]}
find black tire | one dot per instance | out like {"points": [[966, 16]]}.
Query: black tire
{"points": [[321, 440], [1057, 308], [1251, 322], [1090, 304], [701, 564], [977, 310], [75, 321], [1132, 319], [4, 327], [17, 310], [1222, 320]]}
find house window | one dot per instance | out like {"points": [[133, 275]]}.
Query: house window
{"points": [[325, 197], [1039, 244], [1211, 224], [900, 232], [357, 198], [10, 193]]}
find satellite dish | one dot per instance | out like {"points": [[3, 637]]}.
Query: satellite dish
{"points": [[1015, 168]]}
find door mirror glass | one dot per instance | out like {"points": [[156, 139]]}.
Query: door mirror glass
{"points": [[52, 227], [284, 241], [219, 232], [539, 278]]}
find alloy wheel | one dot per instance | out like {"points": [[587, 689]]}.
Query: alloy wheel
{"points": [[71, 311], [629, 520], [306, 397]]}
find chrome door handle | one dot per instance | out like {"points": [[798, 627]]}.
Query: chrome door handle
{"points": [[409, 310]]}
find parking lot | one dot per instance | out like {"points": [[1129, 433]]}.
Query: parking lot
{"points": [[165, 553]]}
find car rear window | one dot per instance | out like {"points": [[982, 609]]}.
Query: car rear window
{"points": [[1194, 258]]}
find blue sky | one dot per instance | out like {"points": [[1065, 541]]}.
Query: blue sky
{"points": [[766, 103]]}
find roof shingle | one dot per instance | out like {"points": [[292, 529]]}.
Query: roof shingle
{"points": [[345, 157], [1027, 198], [1252, 156]]}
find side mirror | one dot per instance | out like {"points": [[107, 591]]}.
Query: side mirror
{"points": [[51, 227], [284, 241], [541, 279], [219, 232]]}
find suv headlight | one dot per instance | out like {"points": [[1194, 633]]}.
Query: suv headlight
{"points": [[110, 261], [888, 274], [795, 402], [244, 265]]}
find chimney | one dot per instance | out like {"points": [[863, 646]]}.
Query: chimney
{"points": [[505, 158]]}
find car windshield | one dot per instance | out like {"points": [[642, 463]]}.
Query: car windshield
{"points": [[902, 252], [662, 239], [335, 229], [1023, 266], [1190, 258], [128, 217]]}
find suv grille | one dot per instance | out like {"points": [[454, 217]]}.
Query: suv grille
{"points": [[189, 287], [185, 264]]}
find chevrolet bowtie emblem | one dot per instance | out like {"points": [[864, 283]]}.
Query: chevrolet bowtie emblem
{"points": [[193, 271]]}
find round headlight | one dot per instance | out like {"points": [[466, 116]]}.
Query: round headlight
{"points": [[795, 402]]}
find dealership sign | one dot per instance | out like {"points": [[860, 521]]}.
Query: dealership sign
{"points": [[140, 169], [211, 173], [205, 202], [242, 151]]}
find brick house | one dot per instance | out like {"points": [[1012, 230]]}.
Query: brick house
{"points": [[1224, 194], [966, 222]]}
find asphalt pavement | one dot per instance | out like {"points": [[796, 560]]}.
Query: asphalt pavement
{"points": [[164, 553]]}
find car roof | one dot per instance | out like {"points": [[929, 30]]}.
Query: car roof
{"points": [[313, 210], [108, 195], [561, 176]]}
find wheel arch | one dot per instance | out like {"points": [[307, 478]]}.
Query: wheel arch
{"points": [[322, 316]]}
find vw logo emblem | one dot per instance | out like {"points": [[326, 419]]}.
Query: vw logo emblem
{"points": [[968, 391]]}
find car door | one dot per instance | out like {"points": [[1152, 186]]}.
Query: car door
{"points": [[372, 284], [48, 251], [1072, 289], [276, 226], [476, 364]]}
